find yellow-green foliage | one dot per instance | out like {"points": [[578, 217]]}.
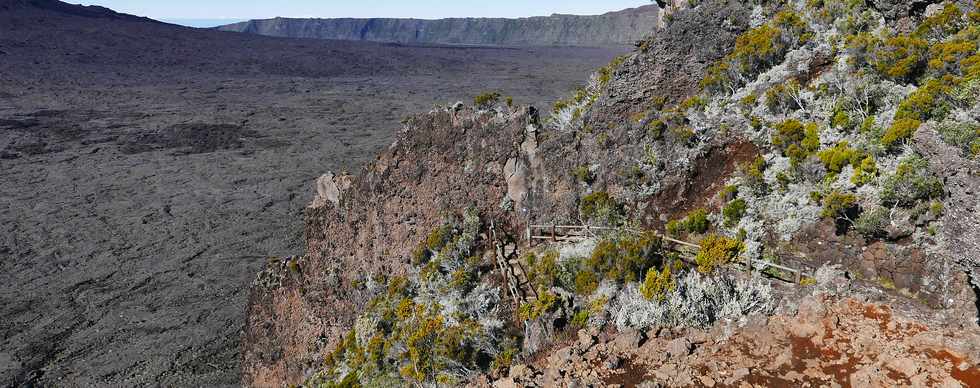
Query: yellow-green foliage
{"points": [[717, 251], [625, 259], [600, 207], [901, 57], [546, 302], [586, 282], [797, 141], [658, 284], [755, 50], [584, 175], [942, 24], [836, 204], [928, 101], [865, 172], [808, 281], [605, 73], [840, 155], [752, 173], [899, 131], [435, 241], [486, 99], [655, 129]]}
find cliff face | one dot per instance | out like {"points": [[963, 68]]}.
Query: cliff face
{"points": [[611, 29]]}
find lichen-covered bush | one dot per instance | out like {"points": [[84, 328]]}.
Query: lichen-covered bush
{"points": [[697, 301], [872, 223], [912, 182]]}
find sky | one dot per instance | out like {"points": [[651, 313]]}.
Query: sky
{"points": [[211, 11]]}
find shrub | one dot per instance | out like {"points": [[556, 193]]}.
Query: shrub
{"points": [[899, 131], [542, 272], [929, 101], [657, 284], [625, 259], [695, 222], [797, 141], [942, 24], [717, 251], [586, 283], [697, 301], [911, 183], [752, 174], [872, 223], [865, 172], [835, 158], [837, 204], [901, 57], [600, 207], [734, 211], [486, 99]]}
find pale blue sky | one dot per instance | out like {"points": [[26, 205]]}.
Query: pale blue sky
{"points": [[428, 9]]}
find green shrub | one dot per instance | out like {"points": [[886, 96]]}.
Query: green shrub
{"points": [[695, 222], [929, 101], [839, 156], [837, 204], [600, 207], [872, 223], [901, 57], [586, 283], [486, 99], [734, 211], [911, 183], [625, 259], [899, 131], [865, 172], [942, 24], [543, 271], [798, 141], [752, 174], [717, 251], [657, 284]]}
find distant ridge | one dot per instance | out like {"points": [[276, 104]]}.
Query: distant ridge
{"points": [[619, 28]]}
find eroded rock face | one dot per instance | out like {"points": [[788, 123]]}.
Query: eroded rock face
{"points": [[611, 29], [366, 226]]}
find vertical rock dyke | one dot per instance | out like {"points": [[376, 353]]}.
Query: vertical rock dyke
{"points": [[693, 122]]}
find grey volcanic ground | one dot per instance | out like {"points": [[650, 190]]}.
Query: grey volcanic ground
{"points": [[147, 171]]}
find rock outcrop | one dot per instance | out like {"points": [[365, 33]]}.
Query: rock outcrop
{"points": [[612, 29]]}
